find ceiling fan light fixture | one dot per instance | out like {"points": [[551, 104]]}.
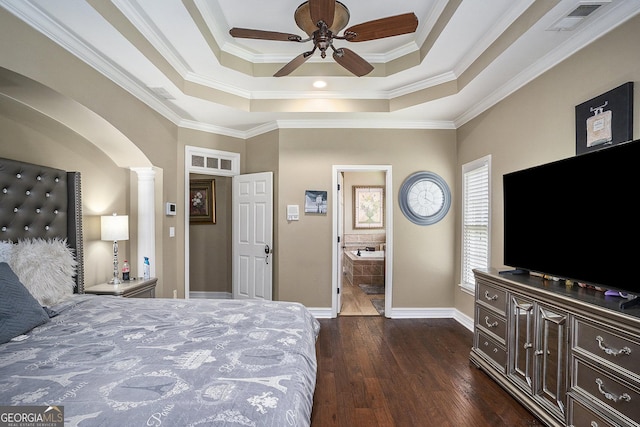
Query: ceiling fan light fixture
{"points": [[302, 16], [322, 20]]}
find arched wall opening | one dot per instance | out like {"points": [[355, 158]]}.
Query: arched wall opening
{"points": [[43, 126]]}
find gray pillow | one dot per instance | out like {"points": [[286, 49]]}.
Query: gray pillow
{"points": [[19, 310]]}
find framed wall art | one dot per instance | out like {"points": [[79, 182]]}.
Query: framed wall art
{"points": [[202, 201], [605, 120], [368, 207], [315, 202]]}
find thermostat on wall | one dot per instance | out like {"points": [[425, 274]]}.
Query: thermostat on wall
{"points": [[293, 213], [171, 208]]}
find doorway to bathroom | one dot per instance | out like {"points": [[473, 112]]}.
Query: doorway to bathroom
{"points": [[362, 255]]}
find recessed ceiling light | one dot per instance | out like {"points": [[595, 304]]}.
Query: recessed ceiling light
{"points": [[319, 84]]}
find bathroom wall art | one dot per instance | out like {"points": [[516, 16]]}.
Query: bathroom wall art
{"points": [[368, 207], [315, 202]]}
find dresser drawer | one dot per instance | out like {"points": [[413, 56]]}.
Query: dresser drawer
{"points": [[617, 348], [621, 397], [492, 297], [492, 323], [494, 351], [581, 416]]}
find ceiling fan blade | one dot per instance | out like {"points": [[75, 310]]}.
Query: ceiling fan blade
{"points": [[384, 27], [322, 10], [246, 33], [352, 61], [293, 64]]}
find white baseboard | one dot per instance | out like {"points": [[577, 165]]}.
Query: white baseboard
{"points": [[411, 313], [396, 313], [210, 295], [320, 312], [464, 320], [422, 313], [433, 313]]}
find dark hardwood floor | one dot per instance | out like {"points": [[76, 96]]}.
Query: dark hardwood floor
{"points": [[374, 371]]}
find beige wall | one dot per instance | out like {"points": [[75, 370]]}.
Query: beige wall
{"points": [[537, 123], [423, 256]]}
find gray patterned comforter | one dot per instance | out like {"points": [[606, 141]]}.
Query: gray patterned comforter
{"points": [[164, 362]]}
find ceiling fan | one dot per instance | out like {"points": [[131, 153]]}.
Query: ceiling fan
{"points": [[322, 20]]}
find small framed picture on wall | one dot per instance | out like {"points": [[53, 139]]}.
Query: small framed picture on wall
{"points": [[368, 207], [202, 201], [315, 202]]}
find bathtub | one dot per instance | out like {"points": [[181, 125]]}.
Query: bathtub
{"points": [[371, 255], [368, 268]]}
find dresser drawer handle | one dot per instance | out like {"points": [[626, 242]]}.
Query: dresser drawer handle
{"points": [[623, 397], [490, 325], [489, 297], [610, 351]]}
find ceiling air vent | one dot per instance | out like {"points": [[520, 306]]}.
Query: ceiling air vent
{"points": [[584, 10], [574, 18]]}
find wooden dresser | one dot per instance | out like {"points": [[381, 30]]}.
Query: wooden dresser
{"points": [[568, 354]]}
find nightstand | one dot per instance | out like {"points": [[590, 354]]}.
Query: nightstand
{"points": [[136, 288]]}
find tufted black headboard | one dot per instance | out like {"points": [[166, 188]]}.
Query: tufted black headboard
{"points": [[39, 201]]}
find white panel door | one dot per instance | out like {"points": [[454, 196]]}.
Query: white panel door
{"points": [[253, 235]]}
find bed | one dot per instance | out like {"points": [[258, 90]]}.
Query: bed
{"points": [[105, 361]]}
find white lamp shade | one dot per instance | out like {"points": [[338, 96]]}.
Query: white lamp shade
{"points": [[114, 227]]}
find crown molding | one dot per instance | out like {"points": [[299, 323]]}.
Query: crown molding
{"points": [[209, 128], [366, 123], [608, 21], [30, 13], [141, 21]]}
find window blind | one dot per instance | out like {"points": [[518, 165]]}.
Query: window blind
{"points": [[476, 220]]}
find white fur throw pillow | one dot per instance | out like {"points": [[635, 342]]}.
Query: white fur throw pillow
{"points": [[46, 268]]}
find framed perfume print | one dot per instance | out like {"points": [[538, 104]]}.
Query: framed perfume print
{"points": [[605, 120]]}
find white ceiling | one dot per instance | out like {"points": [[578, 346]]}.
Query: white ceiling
{"points": [[464, 57]]}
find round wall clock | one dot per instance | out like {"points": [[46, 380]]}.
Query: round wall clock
{"points": [[424, 198]]}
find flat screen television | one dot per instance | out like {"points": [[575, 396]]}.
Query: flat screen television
{"points": [[577, 218]]}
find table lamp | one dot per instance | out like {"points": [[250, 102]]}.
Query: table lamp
{"points": [[113, 228]]}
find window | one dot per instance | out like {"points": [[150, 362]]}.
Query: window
{"points": [[212, 162], [476, 188]]}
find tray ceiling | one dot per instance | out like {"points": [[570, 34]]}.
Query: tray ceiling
{"points": [[177, 56]]}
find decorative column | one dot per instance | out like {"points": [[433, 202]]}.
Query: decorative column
{"points": [[146, 219]]}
